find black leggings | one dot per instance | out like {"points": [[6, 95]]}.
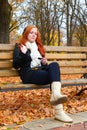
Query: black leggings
{"points": [[46, 76]]}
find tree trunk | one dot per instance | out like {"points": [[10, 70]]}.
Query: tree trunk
{"points": [[67, 23], [5, 15]]}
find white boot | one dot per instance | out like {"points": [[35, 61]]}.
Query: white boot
{"points": [[56, 96], [61, 115]]}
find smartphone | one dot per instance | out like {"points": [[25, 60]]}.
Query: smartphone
{"points": [[39, 58]]}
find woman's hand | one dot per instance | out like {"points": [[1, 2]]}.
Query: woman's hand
{"points": [[23, 49], [44, 61]]}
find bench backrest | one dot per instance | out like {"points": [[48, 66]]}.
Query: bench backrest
{"points": [[72, 60]]}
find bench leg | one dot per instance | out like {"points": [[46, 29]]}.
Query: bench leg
{"points": [[81, 91]]}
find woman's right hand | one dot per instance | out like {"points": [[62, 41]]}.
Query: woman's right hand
{"points": [[44, 61], [23, 49]]}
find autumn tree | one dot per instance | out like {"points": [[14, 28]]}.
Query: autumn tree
{"points": [[44, 14], [70, 9], [81, 28], [8, 22], [76, 15], [40, 13], [81, 35], [51, 17], [5, 16]]}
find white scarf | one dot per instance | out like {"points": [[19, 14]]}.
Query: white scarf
{"points": [[35, 54]]}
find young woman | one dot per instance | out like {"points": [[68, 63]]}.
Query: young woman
{"points": [[29, 59]]}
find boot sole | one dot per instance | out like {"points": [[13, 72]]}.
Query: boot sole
{"points": [[66, 121], [59, 101]]}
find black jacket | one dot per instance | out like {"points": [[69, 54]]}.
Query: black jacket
{"points": [[22, 62]]}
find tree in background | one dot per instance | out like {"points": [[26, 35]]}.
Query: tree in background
{"points": [[52, 17], [45, 15], [76, 16], [5, 17], [81, 35], [81, 28]]}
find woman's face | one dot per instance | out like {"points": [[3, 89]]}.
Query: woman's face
{"points": [[32, 36]]}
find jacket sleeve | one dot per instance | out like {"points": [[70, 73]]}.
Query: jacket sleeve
{"points": [[20, 59]]}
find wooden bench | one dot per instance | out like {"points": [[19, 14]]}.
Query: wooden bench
{"points": [[72, 61]]}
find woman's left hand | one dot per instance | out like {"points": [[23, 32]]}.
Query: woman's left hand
{"points": [[44, 61]]}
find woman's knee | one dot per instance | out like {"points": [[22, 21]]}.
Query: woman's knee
{"points": [[54, 64]]}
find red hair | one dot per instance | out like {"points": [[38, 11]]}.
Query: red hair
{"points": [[24, 39]]}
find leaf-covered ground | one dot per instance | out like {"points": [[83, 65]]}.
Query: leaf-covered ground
{"points": [[27, 105]]}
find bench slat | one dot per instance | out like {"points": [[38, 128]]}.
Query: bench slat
{"points": [[72, 70], [9, 55], [65, 63], [6, 64], [20, 86], [8, 73], [50, 48], [6, 47], [66, 49], [68, 63], [6, 55], [64, 70], [65, 56]]}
